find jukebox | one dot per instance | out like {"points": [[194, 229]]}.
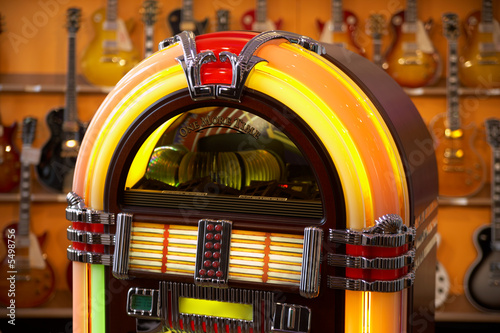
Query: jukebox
{"points": [[244, 182]]}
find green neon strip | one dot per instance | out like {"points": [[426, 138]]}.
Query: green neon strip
{"points": [[204, 307], [97, 299]]}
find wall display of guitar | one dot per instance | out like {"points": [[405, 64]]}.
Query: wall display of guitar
{"points": [[9, 158], [149, 11], [110, 54], [182, 19], [257, 20], [480, 58], [482, 281], [375, 28], [55, 170], [26, 277], [341, 29], [411, 58], [462, 171]]}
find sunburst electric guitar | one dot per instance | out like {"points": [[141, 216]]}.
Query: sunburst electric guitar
{"points": [[257, 20], [182, 19], [461, 168], [341, 29], [110, 54], [411, 59], [58, 159], [24, 265], [480, 58], [482, 281]]}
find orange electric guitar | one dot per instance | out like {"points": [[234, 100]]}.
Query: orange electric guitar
{"points": [[341, 29], [26, 278], [411, 59], [480, 58], [462, 171], [111, 54]]}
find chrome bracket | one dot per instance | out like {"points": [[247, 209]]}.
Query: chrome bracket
{"points": [[89, 237], [389, 231], [77, 212], [341, 260], [289, 318], [241, 65], [89, 257], [389, 286], [122, 247], [311, 262]]}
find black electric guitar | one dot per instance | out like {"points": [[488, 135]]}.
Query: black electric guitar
{"points": [[461, 168], [149, 10], [25, 265], [482, 281], [55, 170], [183, 20]]}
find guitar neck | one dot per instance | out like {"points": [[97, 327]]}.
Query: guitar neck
{"points": [[487, 12], [453, 107], [187, 11], [111, 14], [70, 109], [23, 227], [261, 12], [411, 12], [337, 15], [148, 40], [495, 199]]}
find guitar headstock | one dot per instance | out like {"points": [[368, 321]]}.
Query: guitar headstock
{"points": [[375, 26], [149, 11], [451, 29], [73, 15], [29, 129], [493, 132]]}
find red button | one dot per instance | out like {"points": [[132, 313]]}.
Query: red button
{"points": [[208, 245], [215, 264], [211, 272], [202, 272], [216, 255], [208, 254], [218, 227], [207, 263], [209, 236], [219, 274], [210, 227], [217, 246], [217, 237]]}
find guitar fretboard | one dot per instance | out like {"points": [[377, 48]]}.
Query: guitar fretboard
{"points": [[337, 15], [487, 12], [23, 226], [187, 11], [111, 13], [495, 197], [70, 109], [453, 112], [411, 12], [261, 13]]}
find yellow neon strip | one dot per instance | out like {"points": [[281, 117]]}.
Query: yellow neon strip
{"points": [[216, 308]]}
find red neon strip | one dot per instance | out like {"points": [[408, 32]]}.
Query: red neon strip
{"points": [[165, 249]]}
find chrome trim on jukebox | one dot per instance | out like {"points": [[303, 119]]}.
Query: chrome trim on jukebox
{"points": [[311, 262], [164, 304], [89, 237], [336, 282], [212, 253], [389, 231], [136, 304], [122, 247], [89, 257], [241, 64], [291, 318], [76, 212], [340, 260]]}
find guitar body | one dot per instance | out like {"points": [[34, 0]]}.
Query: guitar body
{"points": [[347, 37], [479, 68], [55, 169], [174, 20], [9, 159], [461, 169], [411, 59], [482, 281], [249, 22], [33, 286], [102, 67]]}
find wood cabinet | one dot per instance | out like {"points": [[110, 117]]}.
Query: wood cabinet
{"points": [[33, 59]]}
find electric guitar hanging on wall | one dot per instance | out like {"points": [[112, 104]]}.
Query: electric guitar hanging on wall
{"points": [[55, 170], [24, 265], [183, 20], [257, 20], [341, 29], [480, 59], [482, 281], [375, 28], [411, 59], [461, 168], [111, 54], [149, 10]]}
